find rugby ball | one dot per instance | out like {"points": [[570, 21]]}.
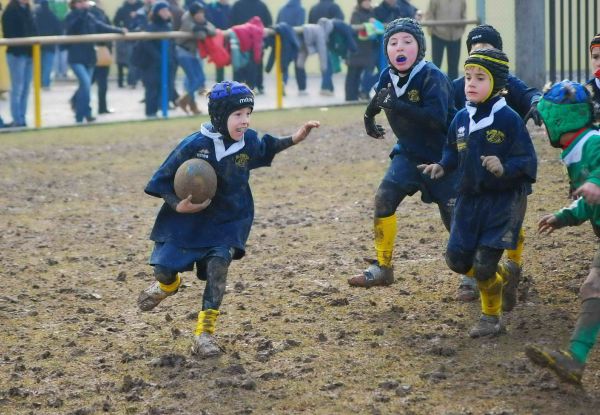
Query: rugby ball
{"points": [[195, 177]]}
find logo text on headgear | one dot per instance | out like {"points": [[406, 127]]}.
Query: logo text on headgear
{"points": [[246, 100]]}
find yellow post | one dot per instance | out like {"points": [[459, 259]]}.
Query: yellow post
{"points": [[278, 74], [37, 83]]}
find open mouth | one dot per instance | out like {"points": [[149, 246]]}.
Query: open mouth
{"points": [[400, 59]]}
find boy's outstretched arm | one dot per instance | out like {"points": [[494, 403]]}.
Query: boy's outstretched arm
{"points": [[304, 131], [590, 193]]}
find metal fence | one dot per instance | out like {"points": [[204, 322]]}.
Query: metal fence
{"points": [[37, 42], [571, 26]]}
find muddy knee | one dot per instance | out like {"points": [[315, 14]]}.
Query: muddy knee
{"points": [[387, 199], [216, 279], [459, 262], [485, 263], [164, 275], [591, 285]]}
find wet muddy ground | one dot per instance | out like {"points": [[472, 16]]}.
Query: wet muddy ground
{"points": [[73, 249]]}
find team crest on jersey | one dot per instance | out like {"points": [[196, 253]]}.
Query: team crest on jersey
{"points": [[241, 160], [494, 136], [203, 153], [461, 144], [460, 133], [413, 95]]}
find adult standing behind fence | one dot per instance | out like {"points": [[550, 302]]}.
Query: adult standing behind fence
{"points": [[82, 56], [447, 37], [389, 10], [126, 17], [361, 62], [102, 68], [325, 8], [241, 12], [217, 12], [18, 21], [48, 25]]}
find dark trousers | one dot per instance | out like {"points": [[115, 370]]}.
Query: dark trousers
{"points": [[101, 79], [151, 80], [453, 54], [353, 81]]}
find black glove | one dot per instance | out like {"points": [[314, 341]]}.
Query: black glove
{"points": [[386, 97], [534, 114], [372, 129]]}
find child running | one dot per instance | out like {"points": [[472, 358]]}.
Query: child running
{"points": [[417, 100], [521, 98], [491, 151], [213, 233], [566, 109]]}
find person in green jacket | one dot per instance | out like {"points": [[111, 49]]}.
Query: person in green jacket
{"points": [[567, 112]]}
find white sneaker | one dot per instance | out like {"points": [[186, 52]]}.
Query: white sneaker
{"points": [[152, 296], [205, 345]]}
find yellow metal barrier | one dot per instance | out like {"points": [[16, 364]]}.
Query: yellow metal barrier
{"points": [[37, 84]]}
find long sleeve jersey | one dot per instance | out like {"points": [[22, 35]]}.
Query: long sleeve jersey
{"points": [[582, 159], [423, 110], [228, 219], [489, 129]]}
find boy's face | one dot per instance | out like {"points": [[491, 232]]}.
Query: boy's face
{"points": [[164, 13], [481, 45], [402, 51], [478, 84], [238, 122], [595, 58]]}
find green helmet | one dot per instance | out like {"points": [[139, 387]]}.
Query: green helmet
{"points": [[565, 107]]}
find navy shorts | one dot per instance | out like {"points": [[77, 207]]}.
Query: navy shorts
{"points": [[403, 172], [492, 220], [180, 259]]}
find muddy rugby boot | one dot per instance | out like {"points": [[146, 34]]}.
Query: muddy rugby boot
{"points": [[152, 296], [487, 326], [204, 345], [373, 276], [511, 274], [559, 361], [467, 290]]}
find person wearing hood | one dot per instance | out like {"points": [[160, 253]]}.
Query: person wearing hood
{"points": [[292, 13], [82, 56], [48, 25], [150, 52]]}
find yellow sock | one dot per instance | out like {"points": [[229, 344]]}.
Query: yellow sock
{"points": [[491, 295], [516, 255], [385, 235], [207, 319], [169, 288]]}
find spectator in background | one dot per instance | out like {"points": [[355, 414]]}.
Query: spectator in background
{"points": [[125, 17], [18, 21], [325, 8], [149, 57], [186, 50], [241, 12], [292, 13], [48, 25], [390, 10], [447, 37], [217, 12], [176, 14], [61, 65], [363, 60], [101, 70], [82, 56]]}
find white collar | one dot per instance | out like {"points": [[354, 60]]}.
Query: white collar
{"points": [[597, 81], [396, 78], [220, 151], [486, 121]]}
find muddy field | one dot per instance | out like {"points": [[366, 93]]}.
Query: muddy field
{"points": [[74, 224]]}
